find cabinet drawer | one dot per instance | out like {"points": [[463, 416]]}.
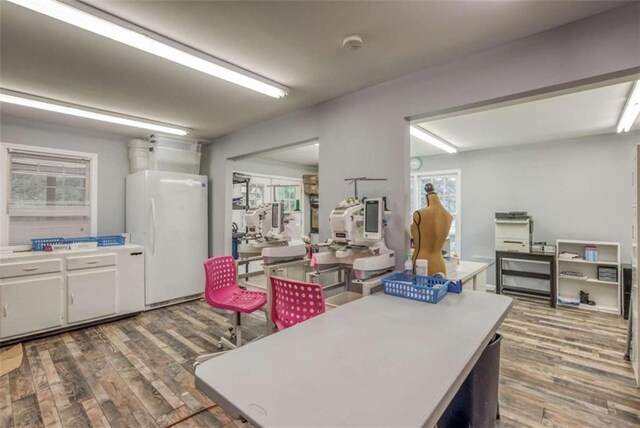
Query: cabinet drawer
{"points": [[9, 270], [30, 305], [85, 262]]}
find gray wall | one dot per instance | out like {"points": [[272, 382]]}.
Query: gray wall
{"points": [[365, 133], [113, 164], [574, 189]]}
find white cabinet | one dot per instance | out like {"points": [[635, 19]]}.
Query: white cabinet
{"points": [[130, 282], [91, 294], [14, 269], [31, 304], [43, 292], [93, 261]]}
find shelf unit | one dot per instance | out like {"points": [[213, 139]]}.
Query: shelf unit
{"points": [[239, 179], [601, 263], [606, 294], [597, 281], [243, 181]]}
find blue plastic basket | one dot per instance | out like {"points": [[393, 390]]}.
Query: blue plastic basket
{"points": [[108, 241], [103, 241], [79, 239], [40, 243], [420, 288]]}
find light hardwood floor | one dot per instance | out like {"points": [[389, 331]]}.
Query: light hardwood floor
{"points": [[565, 367], [559, 368]]}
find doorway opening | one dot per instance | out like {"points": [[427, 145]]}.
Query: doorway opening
{"points": [[275, 203]]}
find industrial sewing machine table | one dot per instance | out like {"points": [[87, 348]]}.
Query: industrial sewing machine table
{"points": [[378, 361]]}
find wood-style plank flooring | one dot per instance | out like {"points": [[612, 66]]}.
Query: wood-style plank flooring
{"points": [[565, 367], [559, 368]]}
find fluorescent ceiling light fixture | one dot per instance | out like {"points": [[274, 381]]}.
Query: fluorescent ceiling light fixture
{"points": [[631, 109], [120, 31], [48, 105], [432, 139]]}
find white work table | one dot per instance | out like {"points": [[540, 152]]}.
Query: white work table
{"points": [[379, 361], [473, 275]]}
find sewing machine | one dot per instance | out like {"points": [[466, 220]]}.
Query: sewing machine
{"points": [[257, 228], [273, 234], [357, 239], [286, 231]]}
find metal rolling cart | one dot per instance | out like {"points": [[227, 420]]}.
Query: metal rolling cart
{"points": [[237, 235]]}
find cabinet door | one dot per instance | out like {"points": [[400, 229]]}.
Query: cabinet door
{"points": [[30, 305], [91, 294], [130, 281]]}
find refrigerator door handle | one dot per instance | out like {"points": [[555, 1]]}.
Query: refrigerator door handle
{"points": [[153, 226]]}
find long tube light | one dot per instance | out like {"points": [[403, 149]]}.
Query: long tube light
{"points": [[33, 102], [153, 44], [432, 139], [631, 109]]}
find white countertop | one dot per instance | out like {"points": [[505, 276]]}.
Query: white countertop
{"points": [[378, 361], [467, 270], [32, 254]]}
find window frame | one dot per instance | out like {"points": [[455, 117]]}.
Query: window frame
{"points": [[288, 186], [417, 191], [5, 170]]}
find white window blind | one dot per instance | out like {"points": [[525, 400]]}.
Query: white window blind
{"points": [[48, 196]]}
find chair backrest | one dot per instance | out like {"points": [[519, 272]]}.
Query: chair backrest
{"points": [[220, 274], [293, 301]]}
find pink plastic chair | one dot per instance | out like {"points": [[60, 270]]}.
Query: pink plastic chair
{"points": [[293, 301], [222, 292]]}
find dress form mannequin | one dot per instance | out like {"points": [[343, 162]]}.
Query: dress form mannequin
{"points": [[429, 232]]}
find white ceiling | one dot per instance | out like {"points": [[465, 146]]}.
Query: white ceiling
{"points": [[580, 114], [306, 155], [295, 43]]}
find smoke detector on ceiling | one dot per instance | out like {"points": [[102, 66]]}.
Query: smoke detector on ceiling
{"points": [[353, 42]]}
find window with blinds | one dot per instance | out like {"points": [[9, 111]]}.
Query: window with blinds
{"points": [[48, 196], [447, 186]]}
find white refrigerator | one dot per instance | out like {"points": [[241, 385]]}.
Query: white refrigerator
{"points": [[167, 213]]}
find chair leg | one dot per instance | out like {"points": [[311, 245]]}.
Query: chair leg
{"points": [[235, 335], [238, 329], [234, 343]]}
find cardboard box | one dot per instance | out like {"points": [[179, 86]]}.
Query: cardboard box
{"points": [[311, 189], [310, 179], [315, 218]]}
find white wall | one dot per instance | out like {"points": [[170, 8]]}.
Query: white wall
{"points": [[574, 189], [365, 133], [269, 167], [113, 164]]}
